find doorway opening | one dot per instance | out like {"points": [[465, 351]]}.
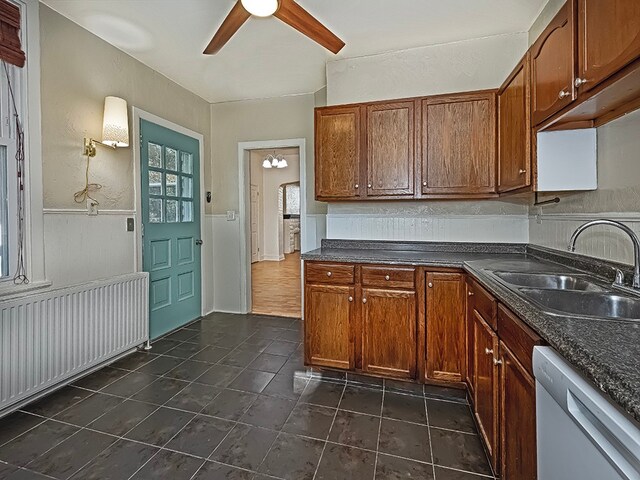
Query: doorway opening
{"points": [[275, 231]]}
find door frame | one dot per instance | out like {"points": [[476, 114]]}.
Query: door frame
{"points": [[244, 214], [139, 114]]}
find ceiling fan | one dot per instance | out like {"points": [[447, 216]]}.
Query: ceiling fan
{"points": [[286, 10]]}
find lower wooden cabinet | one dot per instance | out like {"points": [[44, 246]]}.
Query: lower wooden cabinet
{"points": [[485, 397], [389, 332], [517, 419], [329, 317], [446, 335]]}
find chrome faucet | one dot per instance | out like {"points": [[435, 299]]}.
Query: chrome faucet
{"points": [[628, 231]]}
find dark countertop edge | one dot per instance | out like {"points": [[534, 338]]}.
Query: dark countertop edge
{"points": [[605, 380], [421, 246]]}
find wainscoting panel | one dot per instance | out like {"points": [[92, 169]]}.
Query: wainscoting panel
{"points": [[53, 336], [609, 243], [444, 228]]}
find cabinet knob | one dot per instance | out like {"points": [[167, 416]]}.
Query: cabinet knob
{"points": [[356, 185], [497, 361], [430, 285], [369, 185], [563, 94], [488, 351], [387, 277], [471, 294], [351, 299], [522, 171], [329, 274], [424, 184], [364, 300], [580, 81]]}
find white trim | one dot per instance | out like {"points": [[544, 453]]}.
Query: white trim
{"points": [[245, 204], [139, 114], [78, 211], [570, 217]]}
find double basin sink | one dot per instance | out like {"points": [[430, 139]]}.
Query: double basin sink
{"points": [[573, 295]]}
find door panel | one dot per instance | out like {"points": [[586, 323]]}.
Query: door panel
{"points": [[553, 66], [458, 144], [445, 327], [328, 326], [609, 38], [389, 332], [170, 194], [390, 149], [338, 137]]}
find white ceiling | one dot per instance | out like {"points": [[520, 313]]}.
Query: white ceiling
{"points": [[267, 58]]}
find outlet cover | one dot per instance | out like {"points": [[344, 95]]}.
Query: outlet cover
{"points": [[130, 224], [231, 215], [92, 207]]}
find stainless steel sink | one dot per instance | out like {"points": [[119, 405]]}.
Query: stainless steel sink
{"points": [[548, 281], [586, 304]]}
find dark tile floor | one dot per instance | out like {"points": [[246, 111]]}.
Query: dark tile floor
{"points": [[228, 398]]}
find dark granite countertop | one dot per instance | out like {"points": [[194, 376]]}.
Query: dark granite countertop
{"points": [[606, 351]]}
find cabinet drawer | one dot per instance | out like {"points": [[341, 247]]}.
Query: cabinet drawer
{"points": [[330, 273], [484, 303], [391, 277], [518, 337]]}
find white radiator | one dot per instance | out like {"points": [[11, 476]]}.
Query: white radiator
{"points": [[51, 336]]}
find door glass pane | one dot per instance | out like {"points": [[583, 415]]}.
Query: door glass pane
{"points": [[155, 155], [187, 187], [172, 185], [292, 199], [155, 183], [187, 211], [187, 162], [155, 210], [171, 159], [172, 211]]}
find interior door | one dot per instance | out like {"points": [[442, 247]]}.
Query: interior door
{"points": [[171, 221], [255, 221]]}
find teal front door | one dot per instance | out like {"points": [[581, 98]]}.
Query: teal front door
{"points": [[171, 226]]}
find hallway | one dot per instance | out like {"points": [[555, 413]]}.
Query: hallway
{"points": [[276, 287]]}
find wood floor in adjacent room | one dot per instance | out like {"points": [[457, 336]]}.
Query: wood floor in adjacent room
{"points": [[276, 287]]}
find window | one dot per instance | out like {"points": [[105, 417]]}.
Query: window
{"points": [[292, 199]]}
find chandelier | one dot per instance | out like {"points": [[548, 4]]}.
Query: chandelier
{"points": [[274, 161]]}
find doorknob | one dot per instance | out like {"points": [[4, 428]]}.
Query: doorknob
{"points": [[199, 242]]}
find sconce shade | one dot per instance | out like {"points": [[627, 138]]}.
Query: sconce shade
{"points": [[115, 126]]}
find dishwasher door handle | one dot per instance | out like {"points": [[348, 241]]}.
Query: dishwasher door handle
{"points": [[622, 453]]}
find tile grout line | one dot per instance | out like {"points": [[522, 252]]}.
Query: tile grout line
{"points": [[326, 441], [375, 465], [426, 411]]}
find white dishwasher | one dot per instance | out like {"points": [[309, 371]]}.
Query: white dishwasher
{"points": [[582, 435]]}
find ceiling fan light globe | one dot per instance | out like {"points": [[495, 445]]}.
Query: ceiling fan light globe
{"points": [[260, 8]]}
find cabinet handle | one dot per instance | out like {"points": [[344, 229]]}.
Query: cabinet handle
{"points": [[563, 94], [471, 294], [364, 300], [369, 185], [424, 184], [387, 277], [351, 299], [357, 185], [329, 274], [522, 171], [488, 351], [580, 81], [430, 285], [497, 361]]}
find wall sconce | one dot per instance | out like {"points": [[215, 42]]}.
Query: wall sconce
{"points": [[115, 127], [115, 133]]}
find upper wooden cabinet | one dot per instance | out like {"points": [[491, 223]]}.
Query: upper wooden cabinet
{"points": [[390, 149], [553, 66], [458, 144], [446, 333], [338, 152], [609, 39], [514, 129]]}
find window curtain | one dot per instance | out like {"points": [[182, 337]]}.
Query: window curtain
{"points": [[10, 48]]}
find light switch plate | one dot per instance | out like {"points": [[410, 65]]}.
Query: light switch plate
{"points": [[231, 215]]}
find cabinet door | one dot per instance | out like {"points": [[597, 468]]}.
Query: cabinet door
{"points": [[328, 326], [517, 419], [608, 38], [390, 153], [553, 66], [445, 327], [458, 144], [337, 161], [389, 332], [514, 130], [486, 382]]}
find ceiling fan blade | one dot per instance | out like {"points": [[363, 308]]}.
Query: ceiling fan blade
{"points": [[294, 15], [236, 18]]}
